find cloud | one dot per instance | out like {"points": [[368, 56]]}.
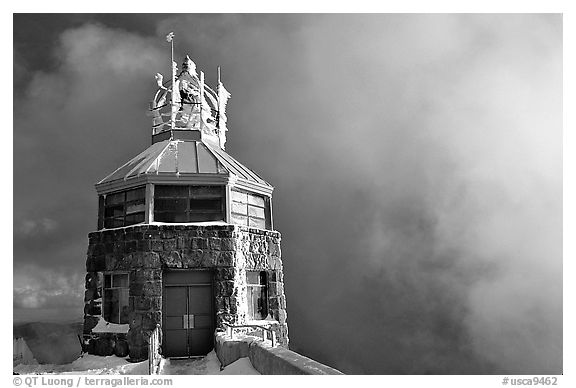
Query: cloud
{"points": [[36, 286], [30, 227]]}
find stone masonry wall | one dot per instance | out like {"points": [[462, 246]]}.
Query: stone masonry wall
{"points": [[146, 250]]}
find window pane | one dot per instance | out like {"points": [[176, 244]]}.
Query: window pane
{"points": [[170, 217], [139, 193], [123, 305], [164, 216], [113, 222], [134, 218], [239, 197], [134, 207], [251, 302], [120, 280], [111, 305], [257, 223], [205, 191], [201, 217], [107, 281], [239, 208], [114, 211], [255, 200], [114, 199], [262, 278], [204, 205], [252, 277], [171, 204], [239, 219], [163, 191], [254, 211]]}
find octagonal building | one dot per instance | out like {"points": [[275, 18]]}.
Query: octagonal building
{"points": [[185, 240]]}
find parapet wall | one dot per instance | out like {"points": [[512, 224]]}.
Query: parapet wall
{"points": [[268, 360], [144, 251]]}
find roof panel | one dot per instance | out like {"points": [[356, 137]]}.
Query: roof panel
{"points": [[207, 163], [177, 156], [167, 161], [138, 163], [237, 168], [187, 159]]}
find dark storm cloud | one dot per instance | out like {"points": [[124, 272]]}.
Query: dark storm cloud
{"points": [[416, 160]]}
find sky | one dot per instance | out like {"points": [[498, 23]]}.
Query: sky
{"points": [[416, 160]]}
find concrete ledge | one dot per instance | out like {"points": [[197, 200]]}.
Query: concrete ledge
{"points": [[229, 350], [268, 360]]}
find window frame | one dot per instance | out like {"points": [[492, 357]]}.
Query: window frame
{"points": [[107, 290], [107, 221], [244, 213], [186, 212], [262, 289]]}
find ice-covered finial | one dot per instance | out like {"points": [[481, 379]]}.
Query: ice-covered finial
{"points": [[187, 103], [189, 66]]}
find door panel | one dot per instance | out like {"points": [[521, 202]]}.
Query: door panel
{"points": [[200, 299], [175, 343], [201, 341], [175, 301]]}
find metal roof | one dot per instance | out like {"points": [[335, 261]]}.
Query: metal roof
{"points": [[175, 157]]}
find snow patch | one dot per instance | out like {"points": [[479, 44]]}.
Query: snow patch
{"points": [[89, 364], [209, 365], [112, 365], [106, 327]]}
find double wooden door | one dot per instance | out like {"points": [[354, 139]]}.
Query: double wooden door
{"points": [[187, 313]]}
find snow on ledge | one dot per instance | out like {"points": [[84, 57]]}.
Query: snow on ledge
{"points": [[106, 327]]}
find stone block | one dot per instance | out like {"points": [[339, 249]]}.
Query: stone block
{"points": [[210, 233], [150, 320], [121, 349], [274, 249], [144, 245], [137, 353], [281, 316], [152, 289], [228, 244], [226, 273], [199, 243], [209, 259], [134, 235], [233, 304], [169, 245], [109, 247], [156, 303], [273, 303], [222, 304], [183, 243], [191, 258], [225, 233], [157, 245], [90, 322], [150, 260], [225, 288], [151, 234], [225, 259], [214, 243], [119, 247], [142, 303], [173, 259], [167, 233]]}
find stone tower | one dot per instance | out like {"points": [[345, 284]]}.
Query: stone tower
{"points": [[185, 235]]}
